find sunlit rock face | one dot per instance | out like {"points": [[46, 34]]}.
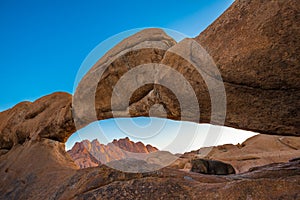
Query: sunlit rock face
{"points": [[48, 117], [254, 44], [256, 151], [90, 154], [254, 49], [155, 76], [82, 156]]}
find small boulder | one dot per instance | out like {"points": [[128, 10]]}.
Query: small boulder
{"points": [[213, 167]]}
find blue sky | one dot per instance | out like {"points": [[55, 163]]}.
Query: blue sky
{"points": [[165, 134], [44, 43]]}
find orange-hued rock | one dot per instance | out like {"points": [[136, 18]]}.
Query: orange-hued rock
{"points": [[255, 45], [146, 47], [82, 156], [130, 146], [43, 170], [89, 154], [48, 117], [256, 151], [34, 170]]}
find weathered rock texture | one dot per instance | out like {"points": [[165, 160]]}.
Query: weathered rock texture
{"points": [[153, 91], [48, 117], [89, 154], [43, 170], [255, 45], [258, 150], [34, 170], [95, 90]]}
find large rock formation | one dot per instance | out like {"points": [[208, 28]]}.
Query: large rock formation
{"points": [[43, 170], [34, 170], [255, 45], [256, 151], [48, 117], [147, 46], [89, 154]]}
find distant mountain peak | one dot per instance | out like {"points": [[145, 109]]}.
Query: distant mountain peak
{"points": [[89, 154], [95, 141]]}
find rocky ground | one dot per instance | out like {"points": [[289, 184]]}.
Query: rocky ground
{"points": [[254, 44], [256, 151], [43, 170]]}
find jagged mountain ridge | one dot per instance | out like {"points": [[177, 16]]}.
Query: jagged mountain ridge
{"points": [[90, 154], [35, 166]]}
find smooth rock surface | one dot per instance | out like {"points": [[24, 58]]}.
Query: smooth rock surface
{"points": [[255, 46], [256, 151]]}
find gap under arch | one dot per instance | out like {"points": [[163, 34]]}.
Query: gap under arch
{"points": [[159, 132]]}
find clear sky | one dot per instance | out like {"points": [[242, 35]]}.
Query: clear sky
{"points": [[165, 134], [43, 44]]}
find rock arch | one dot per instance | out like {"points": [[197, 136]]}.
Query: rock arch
{"points": [[261, 81], [256, 48]]}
